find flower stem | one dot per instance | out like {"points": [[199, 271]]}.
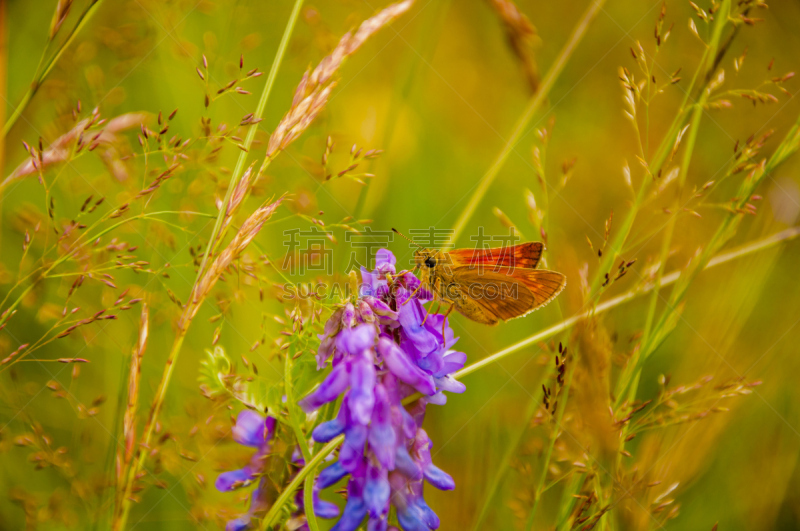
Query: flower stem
{"points": [[532, 108], [287, 492]]}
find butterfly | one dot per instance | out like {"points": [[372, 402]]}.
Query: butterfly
{"points": [[488, 285]]}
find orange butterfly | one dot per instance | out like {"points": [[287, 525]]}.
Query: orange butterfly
{"points": [[489, 285]]}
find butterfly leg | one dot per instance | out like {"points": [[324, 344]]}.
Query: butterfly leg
{"points": [[438, 306], [413, 293], [444, 321]]}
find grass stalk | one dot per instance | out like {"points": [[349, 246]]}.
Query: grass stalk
{"points": [[44, 68], [655, 164], [666, 280], [241, 161], [551, 445], [688, 150], [185, 321], [531, 109], [505, 463]]}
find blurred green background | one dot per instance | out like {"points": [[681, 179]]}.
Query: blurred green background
{"points": [[439, 91]]}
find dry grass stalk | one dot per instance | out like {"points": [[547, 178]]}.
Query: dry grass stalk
{"points": [[522, 37], [129, 420], [237, 197], [76, 139], [59, 16], [314, 90], [125, 454], [247, 232]]}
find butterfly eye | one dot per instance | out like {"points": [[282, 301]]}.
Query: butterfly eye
{"points": [[430, 262]]}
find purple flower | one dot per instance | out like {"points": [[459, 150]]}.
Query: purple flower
{"points": [[384, 348], [256, 431], [252, 430]]}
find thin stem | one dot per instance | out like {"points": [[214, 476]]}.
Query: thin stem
{"points": [[185, 321], [251, 133], [654, 165], [287, 492], [671, 278], [532, 108], [694, 126], [513, 443], [302, 442], [552, 443], [39, 77]]}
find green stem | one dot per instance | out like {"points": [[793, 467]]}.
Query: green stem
{"points": [[532, 108], [289, 490], [302, 442], [172, 358], [39, 77], [654, 166], [694, 126], [671, 278], [513, 443], [562, 400], [238, 170]]}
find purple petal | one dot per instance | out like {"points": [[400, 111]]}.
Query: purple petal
{"points": [[380, 308], [376, 491], [354, 511], [352, 452], [356, 340], [378, 524], [228, 481], [335, 427], [366, 313], [349, 316], [453, 361], [411, 316], [336, 382], [450, 384], [439, 399], [331, 475], [362, 389], [430, 518], [323, 508], [438, 478], [431, 362], [385, 261], [240, 524], [370, 283], [382, 437], [405, 464], [250, 429], [325, 350], [412, 519], [402, 367], [409, 425]]}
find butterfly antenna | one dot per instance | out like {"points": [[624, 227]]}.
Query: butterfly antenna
{"points": [[407, 238]]}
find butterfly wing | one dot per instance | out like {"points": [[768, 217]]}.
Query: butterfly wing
{"points": [[508, 294], [525, 256]]}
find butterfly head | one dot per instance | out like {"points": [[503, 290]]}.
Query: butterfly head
{"points": [[425, 259]]}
